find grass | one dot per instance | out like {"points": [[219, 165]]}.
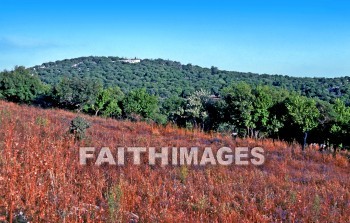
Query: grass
{"points": [[40, 176]]}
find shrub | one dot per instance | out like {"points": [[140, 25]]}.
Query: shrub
{"points": [[78, 127], [183, 174], [225, 128]]}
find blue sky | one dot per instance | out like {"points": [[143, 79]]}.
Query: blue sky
{"points": [[299, 38]]}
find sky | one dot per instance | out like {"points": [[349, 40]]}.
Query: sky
{"points": [[297, 38]]}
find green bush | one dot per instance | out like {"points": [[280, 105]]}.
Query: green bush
{"points": [[78, 127]]}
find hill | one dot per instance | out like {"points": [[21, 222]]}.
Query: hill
{"points": [[40, 176], [248, 110], [165, 77]]}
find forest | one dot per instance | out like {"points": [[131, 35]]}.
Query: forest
{"points": [[306, 110], [166, 78]]}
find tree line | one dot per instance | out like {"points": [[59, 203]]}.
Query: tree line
{"points": [[242, 109]]}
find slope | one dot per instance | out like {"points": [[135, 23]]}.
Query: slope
{"points": [[40, 176]]}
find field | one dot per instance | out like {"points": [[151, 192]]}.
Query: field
{"points": [[41, 179]]}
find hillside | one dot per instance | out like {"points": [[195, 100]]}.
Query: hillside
{"points": [[41, 178], [165, 77]]}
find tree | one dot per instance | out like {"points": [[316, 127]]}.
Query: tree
{"points": [[340, 127], [173, 107], [261, 108], [107, 102], [76, 93], [214, 70], [277, 111], [19, 85], [195, 108], [218, 116], [141, 103], [239, 99], [303, 113]]}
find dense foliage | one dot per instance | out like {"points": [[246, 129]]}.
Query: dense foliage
{"points": [[140, 102], [75, 93], [167, 78], [19, 85]]}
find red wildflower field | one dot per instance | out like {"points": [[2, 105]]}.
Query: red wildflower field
{"points": [[41, 179]]}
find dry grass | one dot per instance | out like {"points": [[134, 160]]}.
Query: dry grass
{"points": [[40, 176]]}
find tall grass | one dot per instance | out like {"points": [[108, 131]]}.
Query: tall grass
{"points": [[41, 178]]}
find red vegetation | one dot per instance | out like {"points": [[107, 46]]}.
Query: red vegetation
{"points": [[40, 176]]}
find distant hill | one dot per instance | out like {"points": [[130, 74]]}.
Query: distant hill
{"points": [[165, 77]]}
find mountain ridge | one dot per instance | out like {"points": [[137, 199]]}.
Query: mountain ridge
{"points": [[166, 77]]}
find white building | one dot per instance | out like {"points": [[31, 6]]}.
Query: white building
{"points": [[130, 60]]}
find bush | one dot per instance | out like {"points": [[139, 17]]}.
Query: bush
{"points": [[78, 127], [225, 128]]}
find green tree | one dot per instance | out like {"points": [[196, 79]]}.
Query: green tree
{"points": [[107, 102], [239, 99], [277, 112], [304, 114], [173, 107], [341, 122], [141, 103], [19, 85], [261, 108], [76, 93]]}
